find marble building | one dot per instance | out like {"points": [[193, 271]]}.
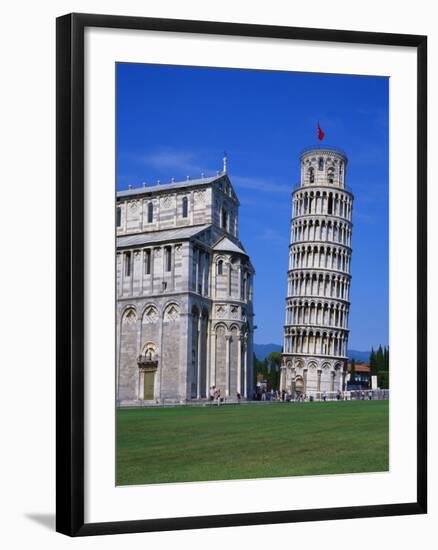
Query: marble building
{"points": [[317, 304], [184, 293]]}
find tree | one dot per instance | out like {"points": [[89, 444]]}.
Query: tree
{"points": [[380, 360], [373, 363], [383, 374], [274, 367], [383, 379], [379, 366], [258, 369], [386, 358]]}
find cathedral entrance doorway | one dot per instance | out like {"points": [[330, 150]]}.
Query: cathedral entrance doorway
{"points": [[147, 365], [298, 386], [148, 389]]}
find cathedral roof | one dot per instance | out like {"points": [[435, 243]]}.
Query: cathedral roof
{"points": [[226, 245], [150, 237], [169, 186]]}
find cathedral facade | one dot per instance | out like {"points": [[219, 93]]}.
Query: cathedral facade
{"points": [[318, 290], [184, 294]]}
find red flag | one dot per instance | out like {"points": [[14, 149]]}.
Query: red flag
{"points": [[321, 134]]}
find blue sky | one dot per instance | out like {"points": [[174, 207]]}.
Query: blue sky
{"points": [[178, 121]]}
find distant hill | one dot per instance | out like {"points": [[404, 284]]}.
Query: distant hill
{"points": [[262, 350], [360, 356]]}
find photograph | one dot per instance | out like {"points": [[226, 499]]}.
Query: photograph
{"points": [[252, 274]]}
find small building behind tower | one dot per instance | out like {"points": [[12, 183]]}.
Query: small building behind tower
{"points": [[317, 304]]}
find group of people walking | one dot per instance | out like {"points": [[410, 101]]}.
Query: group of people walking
{"points": [[262, 394]]}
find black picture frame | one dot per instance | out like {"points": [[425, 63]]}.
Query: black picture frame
{"points": [[70, 273]]}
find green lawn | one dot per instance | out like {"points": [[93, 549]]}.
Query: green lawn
{"points": [[248, 441]]}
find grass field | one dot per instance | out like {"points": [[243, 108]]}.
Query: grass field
{"points": [[249, 441]]}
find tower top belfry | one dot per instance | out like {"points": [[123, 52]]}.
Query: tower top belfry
{"points": [[323, 166]]}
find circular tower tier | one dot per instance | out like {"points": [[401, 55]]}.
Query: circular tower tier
{"points": [[317, 302]]}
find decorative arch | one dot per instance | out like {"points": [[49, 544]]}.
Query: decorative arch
{"points": [[149, 351], [220, 327], [150, 314], [171, 312], [129, 315]]}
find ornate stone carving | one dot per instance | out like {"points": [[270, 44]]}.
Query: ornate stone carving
{"points": [[130, 316], [171, 313], [221, 311], [234, 311], [150, 315]]}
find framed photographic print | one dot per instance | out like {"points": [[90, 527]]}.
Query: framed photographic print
{"points": [[241, 274]]}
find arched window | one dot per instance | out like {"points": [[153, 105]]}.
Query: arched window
{"points": [[330, 175], [127, 264], [220, 267], [244, 287], [168, 255], [320, 163], [330, 204], [147, 262], [185, 207], [150, 212], [311, 175], [224, 219], [118, 216]]}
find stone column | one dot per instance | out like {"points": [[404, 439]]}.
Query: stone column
{"points": [[132, 272], [139, 327], [172, 266], [282, 378], [196, 253], [142, 265], [199, 358], [239, 363], [213, 358], [207, 358], [122, 272], [227, 365], [245, 366]]}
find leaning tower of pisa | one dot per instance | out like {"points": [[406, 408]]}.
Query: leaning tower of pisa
{"points": [[317, 303]]}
